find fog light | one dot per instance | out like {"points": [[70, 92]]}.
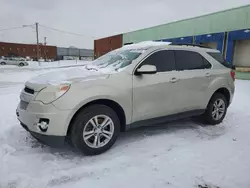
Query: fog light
{"points": [[43, 124]]}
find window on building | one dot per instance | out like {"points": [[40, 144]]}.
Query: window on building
{"points": [[24, 49], [3, 48], [188, 60], [34, 49], [10, 49], [163, 60], [18, 49]]}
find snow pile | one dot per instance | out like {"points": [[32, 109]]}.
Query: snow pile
{"points": [[178, 154], [62, 63]]}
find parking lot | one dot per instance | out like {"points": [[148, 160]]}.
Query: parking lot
{"points": [[178, 154]]}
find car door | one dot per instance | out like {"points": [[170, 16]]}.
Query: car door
{"points": [[15, 61], [193, 73], [154, 94], [9, 61]]}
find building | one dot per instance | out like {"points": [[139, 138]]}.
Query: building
{"points": [[44, 52], [103, 46], [227, 31], [74, 53], [30, 50]]}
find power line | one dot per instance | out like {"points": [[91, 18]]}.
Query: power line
{"points": [[12, 28], [20, 27], [62, 31]]}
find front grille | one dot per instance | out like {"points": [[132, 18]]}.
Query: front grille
{"points": [[23, 105], [28, 90]]}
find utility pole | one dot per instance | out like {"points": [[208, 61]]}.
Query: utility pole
{"points": [[44, 49], [45, 41], [37, 43]]}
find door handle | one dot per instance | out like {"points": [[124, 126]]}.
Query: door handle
{"points": [[173, 80], [207, 74]]}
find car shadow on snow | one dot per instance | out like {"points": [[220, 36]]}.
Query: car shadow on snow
{"points": [[192, 126]]}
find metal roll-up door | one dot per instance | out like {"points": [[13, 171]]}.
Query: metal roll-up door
{"points": [[241, 57]]}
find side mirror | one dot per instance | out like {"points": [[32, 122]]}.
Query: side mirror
{"points": [[146, 69]]}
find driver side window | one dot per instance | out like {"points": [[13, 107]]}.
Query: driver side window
{"points": [[163, 60]]}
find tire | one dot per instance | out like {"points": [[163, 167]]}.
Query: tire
{"points": [[3, 63], [81, 123], [210, 116], [21, 64]]}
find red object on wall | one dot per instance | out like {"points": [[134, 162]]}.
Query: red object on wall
{"points": [[24, 50], [105, 45]]}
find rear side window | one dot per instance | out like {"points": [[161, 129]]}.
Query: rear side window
{"points": [[163, 60], [207, 65], [188, 60], [219, 57]]}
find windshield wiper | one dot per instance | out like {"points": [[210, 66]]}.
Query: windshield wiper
{"points": [[91, 68]]}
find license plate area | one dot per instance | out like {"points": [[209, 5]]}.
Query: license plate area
{"points": [[23, 105]]}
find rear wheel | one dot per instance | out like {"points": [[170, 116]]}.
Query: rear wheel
{"points": [[3, 63], [216, 109], [95, 129]]}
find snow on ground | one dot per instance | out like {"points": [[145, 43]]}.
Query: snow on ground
{"points": [[178, 154], [39, 65], [11, 73]]}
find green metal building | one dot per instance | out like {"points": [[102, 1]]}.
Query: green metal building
{"points": [[228, 31]]}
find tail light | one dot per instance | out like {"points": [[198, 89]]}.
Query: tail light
{"points": [[232, 73]]}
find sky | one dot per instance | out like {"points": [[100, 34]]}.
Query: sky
{"points": [[94, 19]]}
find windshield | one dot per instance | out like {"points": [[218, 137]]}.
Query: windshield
{"points": [[118, 59]]}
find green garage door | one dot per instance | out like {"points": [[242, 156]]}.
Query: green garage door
{"points": [[242, 53]]}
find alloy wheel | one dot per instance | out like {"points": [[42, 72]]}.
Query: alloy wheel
{"points": [[98, 131], [218, 110]]}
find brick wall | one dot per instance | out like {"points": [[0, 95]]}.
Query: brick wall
{"points": [[30, 50], [105, 45]]}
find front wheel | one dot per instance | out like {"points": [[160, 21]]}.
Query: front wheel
{"points": [[21, 64], [3, 63], [95, 129], [216, 109]]}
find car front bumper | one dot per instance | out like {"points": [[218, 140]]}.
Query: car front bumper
{"points": [[35, 112], [54, 141]]}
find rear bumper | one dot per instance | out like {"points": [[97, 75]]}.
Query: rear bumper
{"points": [[54, 141]]}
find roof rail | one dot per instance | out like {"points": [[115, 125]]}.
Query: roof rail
{"points": [[128, 43], [190, 44]]}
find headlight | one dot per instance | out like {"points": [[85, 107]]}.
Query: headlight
{"points": [[52, 93]]}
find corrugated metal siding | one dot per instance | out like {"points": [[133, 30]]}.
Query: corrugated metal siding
{"points": [[241, 56], [74, 52], [62, 51], [86, 53], [229, 20], [105, 45]]}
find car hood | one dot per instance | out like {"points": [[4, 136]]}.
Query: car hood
{"points": [[70, 75]]}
